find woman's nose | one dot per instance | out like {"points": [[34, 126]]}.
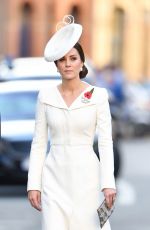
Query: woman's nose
{"points": [[67, 62]]}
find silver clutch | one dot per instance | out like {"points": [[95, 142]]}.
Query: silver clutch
{"points": [[104, 212]]}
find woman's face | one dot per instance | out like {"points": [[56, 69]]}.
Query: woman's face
{"points": [[70, 65]]}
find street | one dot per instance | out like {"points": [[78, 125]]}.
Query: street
{"points": [[132, 205], [132, 210]]}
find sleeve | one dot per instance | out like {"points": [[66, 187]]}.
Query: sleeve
{"points": [[105, 143], [38, 148]]}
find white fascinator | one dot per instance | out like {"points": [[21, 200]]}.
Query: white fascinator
{"points": [[66, 36]]}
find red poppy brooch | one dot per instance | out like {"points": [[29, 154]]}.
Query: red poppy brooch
{"points": [[87, 96]]}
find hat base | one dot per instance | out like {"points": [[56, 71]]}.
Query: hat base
{"points": [[62, 42]]}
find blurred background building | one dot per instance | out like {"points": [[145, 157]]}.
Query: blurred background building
{"points": [[115, 31]]}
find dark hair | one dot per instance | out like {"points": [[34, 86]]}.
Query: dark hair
{"points": [[84, 70]]}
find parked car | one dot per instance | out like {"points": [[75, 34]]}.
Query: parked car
{"points": [[32, 68], [17, 106]]}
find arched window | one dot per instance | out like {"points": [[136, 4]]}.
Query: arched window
{"points": [[146, 42], [50, 19], [75, 13], [25, 32], [118, 35]]}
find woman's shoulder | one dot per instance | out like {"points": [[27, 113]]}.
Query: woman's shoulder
{"points": [[100, 92], [46, 93], [96, 94]]}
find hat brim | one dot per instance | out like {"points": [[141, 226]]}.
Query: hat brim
{"points": [[62, 42]]}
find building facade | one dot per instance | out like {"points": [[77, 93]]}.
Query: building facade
{"points": [[115, 31]]}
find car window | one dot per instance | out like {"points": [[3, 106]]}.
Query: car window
{"points": [[18, 105]]}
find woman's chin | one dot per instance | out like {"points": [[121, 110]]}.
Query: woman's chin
{"points": [[69, 77]]}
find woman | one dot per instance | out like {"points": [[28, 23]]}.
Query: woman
{"points": [[66, 185]]}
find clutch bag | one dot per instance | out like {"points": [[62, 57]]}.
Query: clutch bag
{"points": [[104, 213]]}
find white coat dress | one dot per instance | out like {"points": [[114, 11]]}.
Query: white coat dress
{"points": [[70, 177]]}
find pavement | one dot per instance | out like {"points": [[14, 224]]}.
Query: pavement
{"points": [[132, 205]]}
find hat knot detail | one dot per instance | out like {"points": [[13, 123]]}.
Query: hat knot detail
{"points": [[67, 19]]}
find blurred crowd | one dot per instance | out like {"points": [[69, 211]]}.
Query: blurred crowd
{"points": [[129, 101]]}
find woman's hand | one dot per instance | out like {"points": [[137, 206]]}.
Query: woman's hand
{"points": [[34, 196], [110, 196]]}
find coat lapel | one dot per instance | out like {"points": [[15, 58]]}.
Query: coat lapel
{"points": [[51, 96]]}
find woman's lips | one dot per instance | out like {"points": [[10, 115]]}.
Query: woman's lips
{"points": [[68, 71]]}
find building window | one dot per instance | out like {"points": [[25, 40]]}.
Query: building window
{"points": [[118, 34], [50, 19], [75, 13], [146, 42], [25, 32]]}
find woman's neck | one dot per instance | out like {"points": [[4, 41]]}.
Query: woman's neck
{"points": [[72, 85]]}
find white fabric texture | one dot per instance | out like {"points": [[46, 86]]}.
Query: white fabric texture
{"points": [[70, 177]]}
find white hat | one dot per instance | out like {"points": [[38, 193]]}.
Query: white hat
{"points": [[63, 40]]}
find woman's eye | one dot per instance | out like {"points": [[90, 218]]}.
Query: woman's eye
{"points": [[73, 58], [62, 59]]}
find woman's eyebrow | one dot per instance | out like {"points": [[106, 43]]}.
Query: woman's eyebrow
{"points": [[73, 55]]}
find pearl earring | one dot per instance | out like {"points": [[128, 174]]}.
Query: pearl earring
{"points": [[81, 69]]}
